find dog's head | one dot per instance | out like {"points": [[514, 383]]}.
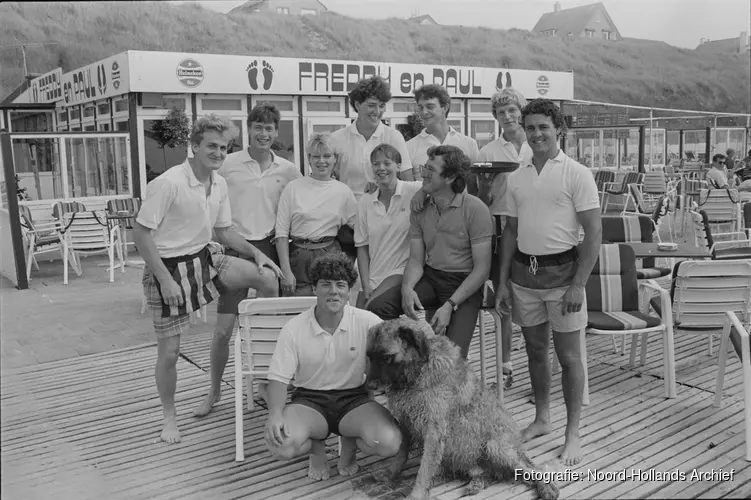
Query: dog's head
{"points": [[397, 349]]}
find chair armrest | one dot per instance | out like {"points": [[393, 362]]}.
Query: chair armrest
{"points": [[611, 185], [744, 243], [665, 300]]}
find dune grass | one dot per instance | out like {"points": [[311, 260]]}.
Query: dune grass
{"points": [[637, 72]]}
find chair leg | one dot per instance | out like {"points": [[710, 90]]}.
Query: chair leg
{"points": [[722, 361], [643, 348], [632, 357], [498, 353], [111, 255], [65, 265], [239, 429], [29, 260], [482, 350], [606, 201], [623, 344], [711, 345], [249, 392]]}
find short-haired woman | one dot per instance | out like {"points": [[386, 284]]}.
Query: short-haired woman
{"points": [[381, 232], [311, 212]]}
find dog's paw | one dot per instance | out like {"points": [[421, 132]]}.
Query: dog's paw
{"points": [[548, 491], [475, 486]]}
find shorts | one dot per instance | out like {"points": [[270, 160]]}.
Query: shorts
{"points": [[300, 260], [332, 405], [532, 307], [229, 301], [170, 326]]}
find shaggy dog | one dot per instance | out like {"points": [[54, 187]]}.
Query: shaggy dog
{"points": [[435, 396]]}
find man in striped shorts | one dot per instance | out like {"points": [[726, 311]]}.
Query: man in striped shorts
{"points": [[172, 232]]}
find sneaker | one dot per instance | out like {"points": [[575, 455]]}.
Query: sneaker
{"points": [[508, 378]]}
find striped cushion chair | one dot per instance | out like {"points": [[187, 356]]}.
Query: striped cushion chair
{"points": [[130, 205], [613, 306], [633, 229], [747, 218], [61, 208]]}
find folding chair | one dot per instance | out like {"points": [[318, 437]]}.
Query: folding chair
{"points": [[703, 291], [614, 307], [87, 233], [614, 189], [603, 178], [738, 246], [131, 206], [260, 323], [61, 208], [38, 238], [744, 356], [722, 207]]}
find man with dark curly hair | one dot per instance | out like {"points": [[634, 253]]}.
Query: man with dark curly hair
{"points": [[449, 252], [322, 352], [550, 197], [355, 142]]}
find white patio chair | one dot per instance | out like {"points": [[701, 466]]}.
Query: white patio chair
{"points": [[39, 238], [260, 323], [744, 355], [87, 233]]}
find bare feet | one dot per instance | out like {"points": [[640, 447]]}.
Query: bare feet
{"points": [[347, 465], [204, 408], [318, 466], [534, 430], [170, 434], [571, 453]]}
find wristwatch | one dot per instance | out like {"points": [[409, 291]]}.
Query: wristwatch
{"points": [[453, 304]]}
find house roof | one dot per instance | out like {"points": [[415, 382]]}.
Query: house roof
{"points": [[250, 5], [420, 19], [727, 45], [572, 20]]}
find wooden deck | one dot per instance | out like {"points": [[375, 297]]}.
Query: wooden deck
{"points": [[87, 429]]}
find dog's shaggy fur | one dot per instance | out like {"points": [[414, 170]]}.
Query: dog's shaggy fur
{"points": [[435, 396]]}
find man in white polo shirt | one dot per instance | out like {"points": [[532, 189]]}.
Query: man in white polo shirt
{"points": [[433, 106], [255, 180], [356, 141], [511, 146], [551, 197], [172, 232], [323, 353]]}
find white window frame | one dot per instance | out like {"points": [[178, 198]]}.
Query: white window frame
{"points": [[308, 12], [310, 123], [293, 116], [232, 115], [343, 103]]}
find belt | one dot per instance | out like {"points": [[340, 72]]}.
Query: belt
{"points": [[270, 237], [313, 244], [547, 260]]}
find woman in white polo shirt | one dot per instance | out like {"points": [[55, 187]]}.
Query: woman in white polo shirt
{"points": [[383, 224], [311, 211]]}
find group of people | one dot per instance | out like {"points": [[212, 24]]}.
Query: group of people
{"points": [[418, 245], [728, 173]]}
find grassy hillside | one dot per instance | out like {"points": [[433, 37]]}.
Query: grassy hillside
{"points": [[630, 72]]}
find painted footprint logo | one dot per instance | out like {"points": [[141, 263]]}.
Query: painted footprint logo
{"points": [[267, 72], [499, 80]]}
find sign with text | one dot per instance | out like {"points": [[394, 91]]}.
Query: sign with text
{"points": [[602, 120], [44, 89], [106, 78], [165, 72]]}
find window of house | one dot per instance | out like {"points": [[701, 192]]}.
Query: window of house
{"points": [[589, 33], [282, 10], [308, 12]]}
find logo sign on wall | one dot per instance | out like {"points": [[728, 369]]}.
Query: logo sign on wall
{"points": [[115, 75], [543, 85], [47, 88], [190, 73]]}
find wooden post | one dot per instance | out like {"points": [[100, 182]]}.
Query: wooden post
{"points": [[641, 148], [9, 171]]}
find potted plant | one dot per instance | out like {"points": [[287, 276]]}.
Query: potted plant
{"points": [[172, 132]]}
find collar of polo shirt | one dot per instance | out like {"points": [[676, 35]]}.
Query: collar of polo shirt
{"points": [[558, 158], [192, 180], [377, 133], [343, 324], [399, 191]]}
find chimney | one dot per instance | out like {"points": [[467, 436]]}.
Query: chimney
{"points": [[557, 7]]}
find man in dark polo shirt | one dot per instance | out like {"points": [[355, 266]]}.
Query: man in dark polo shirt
{"points": [[450, 252]]}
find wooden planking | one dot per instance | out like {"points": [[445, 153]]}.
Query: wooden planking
{"points": [[110, 438]]}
